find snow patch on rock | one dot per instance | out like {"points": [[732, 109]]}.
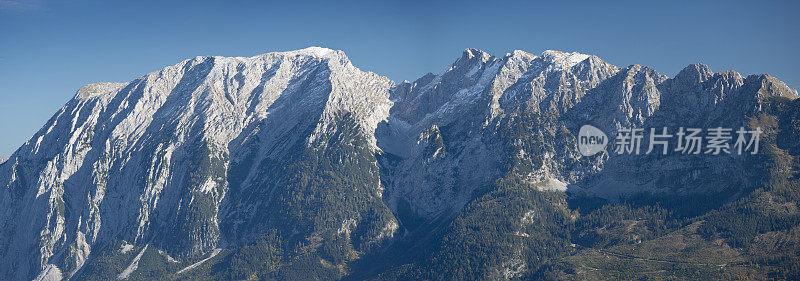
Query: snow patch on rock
{"points": [[133, 266], [213, 254], [50, 273]]}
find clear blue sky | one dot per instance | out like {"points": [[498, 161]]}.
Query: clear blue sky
{"points": [[49, 48]]}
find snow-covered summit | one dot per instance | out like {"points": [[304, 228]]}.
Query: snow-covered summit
{"points": [[563, 60], [317, 51]]}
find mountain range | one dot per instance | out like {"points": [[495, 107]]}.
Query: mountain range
{"points": [[300, 166]]}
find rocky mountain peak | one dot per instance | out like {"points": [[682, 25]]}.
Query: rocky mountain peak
{"points": [[694, 73], [562, 60], [520, 55], [769, 86], [470, 53], [214, 151], [471, 61]]}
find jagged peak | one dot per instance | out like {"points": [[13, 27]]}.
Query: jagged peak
{"points": [[594, 63], [425, 78], [732, 74], [593, 60], [552, 59], [638, 71], [471, 56], [771, 86], [470, 53], [337, 56], [518, 58], [520, 54], [310, 52], [697, 72], [633, 68], [563, 60]]}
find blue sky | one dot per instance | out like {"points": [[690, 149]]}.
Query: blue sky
{"points": [[48, 49]]}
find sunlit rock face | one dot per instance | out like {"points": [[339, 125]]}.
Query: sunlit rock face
{"points": [[214, 152]]}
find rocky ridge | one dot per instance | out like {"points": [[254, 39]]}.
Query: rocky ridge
{"points": [[197, 156]]}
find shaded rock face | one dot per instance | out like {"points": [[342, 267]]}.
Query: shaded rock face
{"points": [[460, 114], [213, 152]]}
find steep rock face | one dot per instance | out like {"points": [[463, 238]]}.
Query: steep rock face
{"points": [[147, 161], [446, 136], [458, 116], [302, 152], [695, 98], [492, 144]]}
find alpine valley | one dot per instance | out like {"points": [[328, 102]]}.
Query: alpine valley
{"points": [[299, 166]]}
